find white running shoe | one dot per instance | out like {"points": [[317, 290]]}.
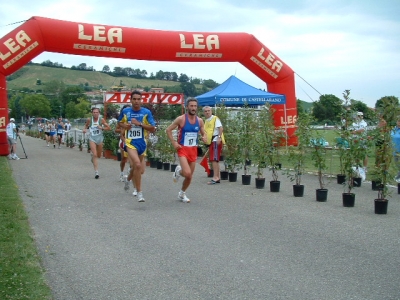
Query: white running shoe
{"points": [[134, 192], [121, 177], [177, 174], [182, 196], [126, 183], [15, 157], [140, 197], [48, 145], [96, 175], [10, 156]]}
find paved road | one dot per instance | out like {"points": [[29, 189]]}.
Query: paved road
{"points": [[231, 242]]}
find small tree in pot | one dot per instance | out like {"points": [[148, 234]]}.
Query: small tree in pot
{"points": [[382, 172], [318, 156], [297, 154], [247, 128], [232, 149]]}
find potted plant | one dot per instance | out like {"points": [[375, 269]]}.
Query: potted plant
{"points": [[165, 148], [384, 155], [272, 137], [109, 141], [297, 154], [71, 142], [318, 156], [80, 142], [232, 149], [247, 127], [264, 150], [222, 112]]}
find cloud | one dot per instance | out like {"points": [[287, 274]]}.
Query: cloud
{"points": [[333, 44]]}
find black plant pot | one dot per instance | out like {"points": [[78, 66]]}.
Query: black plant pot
{"points": [[322, 195], [348, 199], [224, 175], [260, 183], [341, 178], [232, 176], [298, 190], [166, 166], [381, 206], [398, 188], [274, 186], [173, 167], [159, 165], [357, 181], [376, 185], [246, 179], [211, 174], [153, 163]]}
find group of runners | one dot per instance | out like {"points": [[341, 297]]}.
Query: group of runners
{"points": [[135, 124], [53, 131]]}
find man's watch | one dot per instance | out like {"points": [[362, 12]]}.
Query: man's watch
{"points": [[219, 136]]}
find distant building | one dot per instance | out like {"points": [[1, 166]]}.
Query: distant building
{"points": [[156, 90]]}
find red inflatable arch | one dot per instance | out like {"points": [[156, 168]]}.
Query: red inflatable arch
{"points": [[40, 34]]}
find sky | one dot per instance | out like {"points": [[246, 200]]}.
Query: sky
{"points": [[331, 45]]}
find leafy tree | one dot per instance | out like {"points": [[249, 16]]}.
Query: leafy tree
{"points": [[328, 107], [160, 75], [35, 105], [188, 89], [72, 93], [210, 83], [384, 101], [183, 78], [195, 80], [106, 69], [300, 109], [79, 110]]}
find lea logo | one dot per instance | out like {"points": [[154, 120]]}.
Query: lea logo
{"points": [[198, 41], [100, 34], [275, 65], [14, 44]]}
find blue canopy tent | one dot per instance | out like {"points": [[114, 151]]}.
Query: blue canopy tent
{"points": [[234, 92]]}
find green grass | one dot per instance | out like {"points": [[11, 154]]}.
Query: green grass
{"points": [[74, 77], [21, 275]]}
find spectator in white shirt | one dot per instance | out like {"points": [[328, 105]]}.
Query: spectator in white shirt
{"points": [[12, 134]]}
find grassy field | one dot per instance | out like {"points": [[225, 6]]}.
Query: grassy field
{"points": [[73, 77], [21, 275]]}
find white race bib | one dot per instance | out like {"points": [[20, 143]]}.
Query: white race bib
{"points": [[95, 131], [60, 131], [190, 139], [135, 133]]}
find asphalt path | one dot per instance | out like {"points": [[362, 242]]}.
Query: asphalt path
{"points": [[231, 242]]}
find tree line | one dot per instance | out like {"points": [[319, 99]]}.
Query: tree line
{"points": [[137, 73]]}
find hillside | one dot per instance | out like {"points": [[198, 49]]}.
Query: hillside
{"points": [[30, 73]]}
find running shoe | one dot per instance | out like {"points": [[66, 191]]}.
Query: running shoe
{"points": [[182, 196], [126, 185], [96, 175], [134, 192], [48, 145], [140, 197], [59, 147], [15, 157], [177, 174], [121, 177], [10, 156]]}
